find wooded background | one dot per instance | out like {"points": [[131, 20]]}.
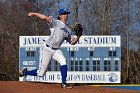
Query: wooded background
{"points": [[98, 17]]}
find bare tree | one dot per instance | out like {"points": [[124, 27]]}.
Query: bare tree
{"points": [[15, 22], [113, 17]]}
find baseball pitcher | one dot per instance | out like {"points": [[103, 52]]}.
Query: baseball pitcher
{"points": [[59, 33]]}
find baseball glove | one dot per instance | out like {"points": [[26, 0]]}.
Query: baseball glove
{"points": [[77, 29]]}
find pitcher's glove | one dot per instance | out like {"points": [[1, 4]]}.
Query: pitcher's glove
{"points": [[77, 29]]}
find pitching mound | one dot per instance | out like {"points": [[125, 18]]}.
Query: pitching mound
{"points": [[31, 87]]}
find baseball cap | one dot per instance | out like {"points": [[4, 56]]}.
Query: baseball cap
{"points": [[63, 11]]}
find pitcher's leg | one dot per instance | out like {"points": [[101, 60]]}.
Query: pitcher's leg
{"points": [[58, 56], [45, 59], [63, 70], [31, 72]]}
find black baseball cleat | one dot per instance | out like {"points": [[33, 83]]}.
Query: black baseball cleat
{"points": [[66, 85], [22, 73]]}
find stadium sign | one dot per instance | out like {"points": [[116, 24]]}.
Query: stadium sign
{"points": [[103, 66], [84, 41], [77, 77]]}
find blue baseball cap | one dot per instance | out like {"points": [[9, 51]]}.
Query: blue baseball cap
{"points": [[63, 11]]}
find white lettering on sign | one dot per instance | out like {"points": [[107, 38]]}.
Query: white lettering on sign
{"points": [[30, 49], [28, 63]]}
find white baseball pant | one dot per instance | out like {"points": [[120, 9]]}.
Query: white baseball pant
{"points": [[46, 54]]}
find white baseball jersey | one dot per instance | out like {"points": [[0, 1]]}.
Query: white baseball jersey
{"points": [[59, 33]]}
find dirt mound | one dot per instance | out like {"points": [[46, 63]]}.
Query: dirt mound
{"points": [[31, 87]]}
